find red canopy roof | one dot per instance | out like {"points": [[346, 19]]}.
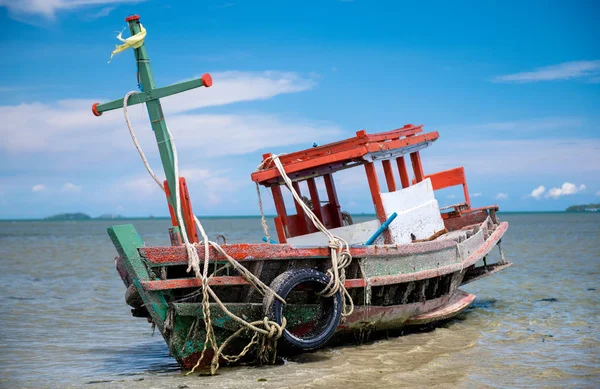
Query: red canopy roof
{"points": [[347, 153]]}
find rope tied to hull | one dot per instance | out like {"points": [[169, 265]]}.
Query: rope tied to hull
{"points": [[267, 336], [339, 248]]}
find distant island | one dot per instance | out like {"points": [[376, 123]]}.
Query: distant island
{"points": [[81, 216], [69, 216], [584, 208]]}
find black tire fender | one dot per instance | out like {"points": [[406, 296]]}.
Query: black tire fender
{"points": [[326, 324]]}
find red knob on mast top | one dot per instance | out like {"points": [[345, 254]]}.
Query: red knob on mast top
{"points": [[132, 17], [206, 80]]}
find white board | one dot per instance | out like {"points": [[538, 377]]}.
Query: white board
{"points": [[418, 212]]}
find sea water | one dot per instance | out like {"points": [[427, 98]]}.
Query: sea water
{"points": [[64, 321]]}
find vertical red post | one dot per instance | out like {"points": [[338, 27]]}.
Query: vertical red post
{"points": [[186, 210], [404, 180], [376, 196], [188, 213], [389, 175], [280, 208], [280, 230], [171, 210], [333, 200], [415, 158], [466, 191], [314, 197], [301, 219]]}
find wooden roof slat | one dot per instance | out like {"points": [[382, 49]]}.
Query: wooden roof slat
{"points": [[341, 153]]}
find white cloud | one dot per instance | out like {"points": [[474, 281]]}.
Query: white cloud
{"points": [[69, 187], [234, 86], [34, 127], [451, 196], [48, 8], [195, 175], [212, 148], [38, 188], [501, 196], [562, 71], [140, 186], [207, 188], [477, 194], [538, 192], [566, 189], [102, 13]]}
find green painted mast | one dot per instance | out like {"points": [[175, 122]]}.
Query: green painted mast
{"points": [[151, 96]]}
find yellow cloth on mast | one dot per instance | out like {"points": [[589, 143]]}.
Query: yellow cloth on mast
{"points": [[134, 41]]}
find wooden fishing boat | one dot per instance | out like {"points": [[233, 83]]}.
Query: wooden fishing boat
{"points": [[403, 268]]}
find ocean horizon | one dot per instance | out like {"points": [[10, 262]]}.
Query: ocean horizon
{"points": [[243, 216]]}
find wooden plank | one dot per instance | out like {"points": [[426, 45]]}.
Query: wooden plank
{"points": [[375, 191], [389, 175], [404, 179], [243, 252], [402, 143], [356, 152], [481, 252], [314, 197], [128, 242], [407, 130], [361, 138], [154, 94], [333, 199], [415, 158], [376, 197], [457, 303], [181, 283], [447, 178], [301, 217], [280, 208], [188, 213], [281, 230], [171, 210]]}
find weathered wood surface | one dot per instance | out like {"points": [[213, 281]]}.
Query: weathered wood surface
{"points": [[180, 283], [177, 255], [457, 303], [127, 242]]}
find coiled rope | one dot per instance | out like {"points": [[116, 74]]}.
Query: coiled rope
{"points": [[271, 331]]}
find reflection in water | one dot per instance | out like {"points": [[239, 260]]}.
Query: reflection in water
{"points": [[64, 322]]}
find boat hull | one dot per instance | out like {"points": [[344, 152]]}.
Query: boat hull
{"points": [[392, 286]]}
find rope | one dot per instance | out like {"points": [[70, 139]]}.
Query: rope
{"points": [[339, 249], [135, 141], [271, 330], [263, 222]]}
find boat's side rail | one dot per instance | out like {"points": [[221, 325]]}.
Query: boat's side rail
{"points": [[475, 256], [177, 255], [181, 283], [162, 256]]}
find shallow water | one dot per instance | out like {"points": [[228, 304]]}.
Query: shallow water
{"points": [[64, 322]]}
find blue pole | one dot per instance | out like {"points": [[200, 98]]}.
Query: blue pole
{"points": [[264, 239], [380, 230]]}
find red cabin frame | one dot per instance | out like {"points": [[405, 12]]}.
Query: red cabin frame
{"points": [[362, 149]]}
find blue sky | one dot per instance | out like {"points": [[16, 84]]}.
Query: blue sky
{"points": [[512, 87]]}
